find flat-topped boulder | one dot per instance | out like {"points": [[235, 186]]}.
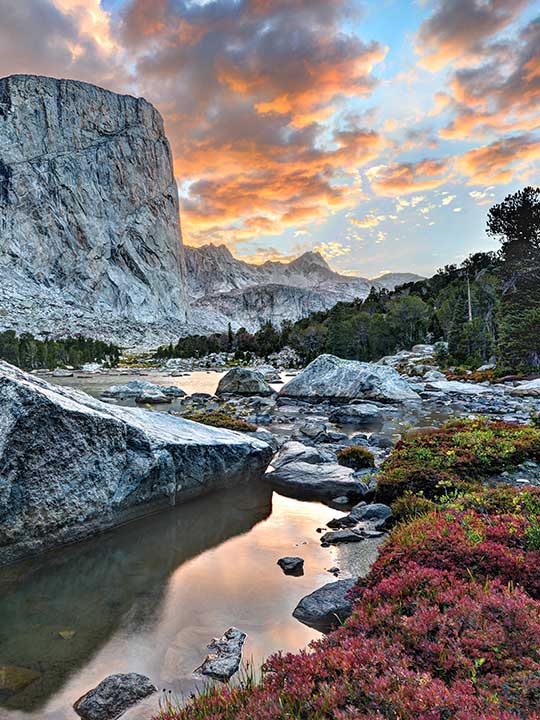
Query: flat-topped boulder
{"points": [[331, 378], [71, 465], [307, 481], [327, 607], [243, 381], [142, 391]]}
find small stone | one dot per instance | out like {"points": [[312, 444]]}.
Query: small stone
{"points": [[292, 565], [341, 536], [113, 696], [223, 660], [15, 679], [67, 634]]}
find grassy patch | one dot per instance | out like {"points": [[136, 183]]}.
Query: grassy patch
{"points": [[221, 420], [356, 457], [457, 457]]}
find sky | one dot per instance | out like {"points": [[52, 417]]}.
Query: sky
{"points": [[377, 132]]}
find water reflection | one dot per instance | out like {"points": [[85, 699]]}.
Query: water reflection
{"points": [[149, 596]]}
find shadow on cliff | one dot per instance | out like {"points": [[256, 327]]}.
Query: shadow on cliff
{"points": [[93, 587]]}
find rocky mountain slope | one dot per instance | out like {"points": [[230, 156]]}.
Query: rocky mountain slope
{"points": [[89, 230], [224, 289]]}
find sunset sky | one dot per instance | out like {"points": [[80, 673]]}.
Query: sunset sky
{"points": [[376, 131]]}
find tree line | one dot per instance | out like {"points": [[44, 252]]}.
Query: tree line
{"points": [[29, 353], [488, 307]]}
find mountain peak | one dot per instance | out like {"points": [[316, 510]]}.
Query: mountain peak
{"points": [[309, 260]]}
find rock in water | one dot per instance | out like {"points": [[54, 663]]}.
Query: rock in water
{"points": [[223, 660], [292, 565], [243, 381], [330, 377], [89, 224], [113, 696], [327, 607], [71, 465]]}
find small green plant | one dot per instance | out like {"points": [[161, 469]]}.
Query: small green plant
{"points": [[356, 457], [535, 418], [221, 420], [410, 506]]}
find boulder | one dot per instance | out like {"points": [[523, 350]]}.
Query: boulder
{"points": [[457, 387], [142, 391], [292, 565], [243, 381], [330, 377], [375, 514], [339, 537], [327, 607], [71, 465], [527, 389], [358, 414], [307, 481], [113, 696], [225, 655], [293, 452]]}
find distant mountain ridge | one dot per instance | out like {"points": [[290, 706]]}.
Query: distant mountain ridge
{"points": [[224, 289]]}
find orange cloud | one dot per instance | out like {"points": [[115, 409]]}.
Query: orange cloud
{"points": [[458, 30], [498, 162], [408, 177]]}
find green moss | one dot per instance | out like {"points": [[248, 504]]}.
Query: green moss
{"points": [[356, 457], [455, 458], [221, 420]]}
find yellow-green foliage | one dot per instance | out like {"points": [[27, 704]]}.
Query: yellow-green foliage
{"points": [[356, 457], [457, 457], [221, 420]]}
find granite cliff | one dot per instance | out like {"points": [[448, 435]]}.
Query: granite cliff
{"points": [[89, 224]]}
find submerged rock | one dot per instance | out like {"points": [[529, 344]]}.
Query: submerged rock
{"points": [[225, 655], [243, 381], [330, 377], [113, 696], [292, 565], [327, 607], [71, 465], [15, 679]]}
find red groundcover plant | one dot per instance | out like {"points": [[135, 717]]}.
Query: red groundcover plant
{"points": [[446, 626]]}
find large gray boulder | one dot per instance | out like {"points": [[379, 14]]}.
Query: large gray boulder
{"points": [[71, 465], [113, 696], [90, 236], [358, 414], [326, 481], [243, 381], [527, 389], [329, 377], [327, 607]]}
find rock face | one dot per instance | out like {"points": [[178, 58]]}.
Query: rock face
{"points": [[71, 465], [330, 377], [327, 607], [229, 290], [89, 226], [243, 381], [113, 696]]}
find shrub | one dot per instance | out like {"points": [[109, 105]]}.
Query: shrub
{"points": [[221, 420], [466, 543], [356, 457], [457, 457]]}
